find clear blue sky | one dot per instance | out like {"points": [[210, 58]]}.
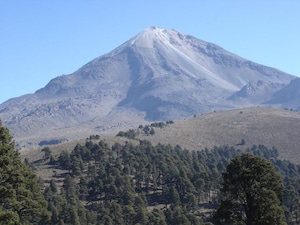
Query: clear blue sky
{"points": [[41, 40]]}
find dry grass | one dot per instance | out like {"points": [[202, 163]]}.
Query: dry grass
{"points": [[257, 125]]}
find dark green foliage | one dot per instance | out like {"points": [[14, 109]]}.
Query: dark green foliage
{"points": [[243, 142], [152, 132], [94, 137], [252, 191], [130, 134], [146, 130], [124, 180], [21, 200], [64, 160], [47, 153], [146, 184], [170, 122], [158, 124]]}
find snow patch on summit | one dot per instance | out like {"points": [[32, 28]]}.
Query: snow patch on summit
{"points": [[146, 37]]}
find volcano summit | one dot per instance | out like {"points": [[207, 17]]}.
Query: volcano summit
{"points": [[160, 74]]}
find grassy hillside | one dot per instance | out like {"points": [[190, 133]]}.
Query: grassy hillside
{"points": [[257, 125]]}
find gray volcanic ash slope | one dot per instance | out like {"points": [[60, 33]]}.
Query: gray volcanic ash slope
{"points": [[157, 75], [289, 96]]}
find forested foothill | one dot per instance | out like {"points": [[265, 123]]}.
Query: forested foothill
{"points": [[146, 184], [98, 183]]}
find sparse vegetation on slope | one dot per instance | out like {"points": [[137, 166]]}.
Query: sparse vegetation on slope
{"points": [[251, 126]]}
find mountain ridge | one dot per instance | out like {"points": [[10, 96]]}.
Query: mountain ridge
{"points": [[159, 74]]}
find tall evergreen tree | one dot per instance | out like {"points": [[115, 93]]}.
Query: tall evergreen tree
{"points": [[21, 200], [252, 192]]}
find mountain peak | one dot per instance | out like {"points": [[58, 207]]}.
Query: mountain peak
{"points": [[153, 34], [159, 74], [153, 29]]}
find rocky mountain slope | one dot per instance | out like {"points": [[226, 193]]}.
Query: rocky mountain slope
{"points": [[157, 75], [289, 96]]}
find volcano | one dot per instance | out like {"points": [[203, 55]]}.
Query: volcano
{"points": [[158, 75]]}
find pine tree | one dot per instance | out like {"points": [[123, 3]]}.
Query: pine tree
{"points": [[252, 191], [21, 200]]}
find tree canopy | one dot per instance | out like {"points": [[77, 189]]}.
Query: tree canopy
{"points": [[145, 184], [21, 200], [252, 192]]}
